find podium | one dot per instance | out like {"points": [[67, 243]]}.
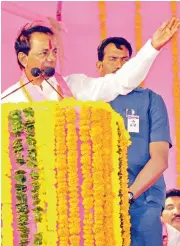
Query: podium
{"points": [[64, 175]]}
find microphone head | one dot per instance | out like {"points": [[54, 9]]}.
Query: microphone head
{"points": [[35, 71], [49, 71]]}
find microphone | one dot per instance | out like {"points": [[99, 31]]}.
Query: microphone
{"points": [[48, 71], [36, 71]]}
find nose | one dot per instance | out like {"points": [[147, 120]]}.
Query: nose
{"points": [[176, 211], [119, 64], [51, 57]]}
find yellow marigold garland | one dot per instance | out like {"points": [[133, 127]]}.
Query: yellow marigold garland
{"points": [[87, 184], [25, 91], [71, 140], [46, 165], [176, 93], [73, 182], [98, 176], [7, 216], [62, 186], [124, 137], [107, 140]]}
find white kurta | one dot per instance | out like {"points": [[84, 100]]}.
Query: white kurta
{"points": [[105, 88], [173, 236]]}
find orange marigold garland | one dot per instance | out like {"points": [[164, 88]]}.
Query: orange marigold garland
{"points": [[87, 184], [73, 182], [61, 168], [98, 177], [176, 93], [102, 18], [138, 27], [108, 169]]}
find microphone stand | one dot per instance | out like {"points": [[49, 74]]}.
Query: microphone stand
{"points": [[30, 82], [16, 89], [52, 86]]}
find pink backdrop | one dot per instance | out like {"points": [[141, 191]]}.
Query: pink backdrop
{"points": [[83, 37]]}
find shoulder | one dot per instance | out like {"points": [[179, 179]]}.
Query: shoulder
{"points": [[76, 78], [156, 101], [14, 97], [139, 94], [153, 96], [11, 88], [145, 90]]}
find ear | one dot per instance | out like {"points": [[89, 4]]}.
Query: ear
{"points": [[99, 66], [23, 59]]}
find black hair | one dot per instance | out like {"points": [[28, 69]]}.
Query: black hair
{"points": [[22, 43], [171, 193], [117, 41]]}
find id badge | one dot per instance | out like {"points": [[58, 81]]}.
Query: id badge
{"points": [[133, 123]]}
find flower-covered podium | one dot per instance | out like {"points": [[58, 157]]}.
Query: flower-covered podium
{"points": [[64, 175]]}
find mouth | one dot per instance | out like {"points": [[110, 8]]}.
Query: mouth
{"points": [[177, 219]]}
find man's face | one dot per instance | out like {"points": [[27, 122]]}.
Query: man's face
{"points": [[43, 53], [114, 59], [171, 213]]}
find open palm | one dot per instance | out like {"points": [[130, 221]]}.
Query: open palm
{"points": [[165, 33], [57, 26]]}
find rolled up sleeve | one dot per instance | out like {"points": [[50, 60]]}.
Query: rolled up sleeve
{"points": [[159, 121]]}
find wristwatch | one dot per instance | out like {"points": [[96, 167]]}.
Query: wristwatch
{"points": [[131, 197]]}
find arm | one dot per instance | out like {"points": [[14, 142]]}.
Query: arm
{"points": [[122, 82], [128, 77], [153, 169], [158, 148]]}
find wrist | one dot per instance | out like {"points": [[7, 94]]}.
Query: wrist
{"points": [[131, 197], [155, 46]]}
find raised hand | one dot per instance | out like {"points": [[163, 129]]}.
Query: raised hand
{"points": [[58, 29], [57, 25], [165, 33]]}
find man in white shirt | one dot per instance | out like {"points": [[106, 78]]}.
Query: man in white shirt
{"points": [[36, 46], [171, 217], [173, 236]]}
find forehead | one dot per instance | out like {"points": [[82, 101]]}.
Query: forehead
{"points": [[42, 41], [111, 50], [175, 200]]}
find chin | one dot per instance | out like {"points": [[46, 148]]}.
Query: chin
{"points": [[176, 226]]}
